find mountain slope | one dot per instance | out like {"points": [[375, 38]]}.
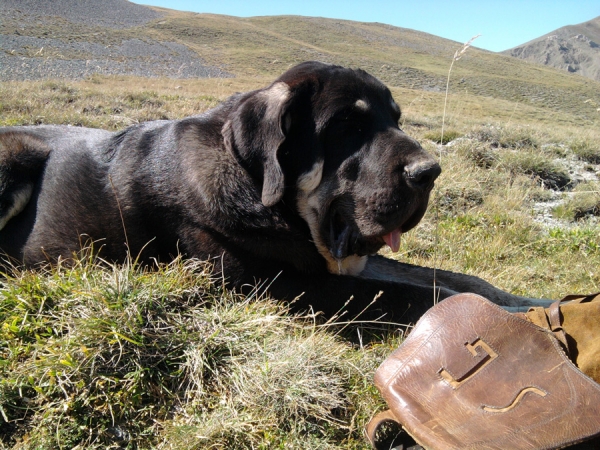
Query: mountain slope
{"points": [[400, 57], [109, 13], [77, 38], [574, 48], [178, 44]]}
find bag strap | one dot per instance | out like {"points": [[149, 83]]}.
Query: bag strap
{"points": [[552, 317], [581, 298], [555, 317], [376, 422], [555, 322]]}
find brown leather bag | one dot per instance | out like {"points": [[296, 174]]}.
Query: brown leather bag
{"points": [[473, 376]]}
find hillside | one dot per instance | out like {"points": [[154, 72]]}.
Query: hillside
{"points": [[574, 48], [74, 39], [160, 42]]}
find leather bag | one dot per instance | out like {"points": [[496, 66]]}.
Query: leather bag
{"points": [[472, 376]]}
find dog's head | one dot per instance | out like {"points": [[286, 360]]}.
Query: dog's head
{"points": [[327, 139]]}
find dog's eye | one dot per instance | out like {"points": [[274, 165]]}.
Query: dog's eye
{"points": [[352, 120], [348, 124], [352, 125]]}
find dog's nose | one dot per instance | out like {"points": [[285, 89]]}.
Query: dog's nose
{"points": [[420, 175]]}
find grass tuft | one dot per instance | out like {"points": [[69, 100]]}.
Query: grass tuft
{"points": [[550, 174], [438, 138], [507, 137], [582, 203], [587, 150], [101, 356]]}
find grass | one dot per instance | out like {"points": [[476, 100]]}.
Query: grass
{"points": [[108, 103], [582, 203], [439, 138], [538, 166], [586, 150], [101, 356], [482, 211], [97, 356]]}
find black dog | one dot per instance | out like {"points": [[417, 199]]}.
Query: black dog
{"points": [[297, 183]]}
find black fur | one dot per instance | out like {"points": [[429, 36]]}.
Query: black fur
{"points": [[278, 184]]}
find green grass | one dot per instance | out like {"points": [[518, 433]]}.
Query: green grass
{"points": [[580, 204], [586, 150], [436, 136], [101, 356]]}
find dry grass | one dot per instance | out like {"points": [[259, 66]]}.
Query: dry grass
{"points": [[112, 103], [406, 59]]}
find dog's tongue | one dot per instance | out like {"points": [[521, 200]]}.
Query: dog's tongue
{"points": [[393, 240]]}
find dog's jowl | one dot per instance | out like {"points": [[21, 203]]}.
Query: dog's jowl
{"points": [[298, 183]]}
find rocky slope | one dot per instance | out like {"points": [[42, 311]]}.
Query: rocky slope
{"points": [[574, 48], [77, 38]]}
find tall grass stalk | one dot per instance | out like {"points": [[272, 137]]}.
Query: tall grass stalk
{"points": [[457, 55]]}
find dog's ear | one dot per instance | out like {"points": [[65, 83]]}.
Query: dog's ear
{"points": [[22, 159], [256, 129]]}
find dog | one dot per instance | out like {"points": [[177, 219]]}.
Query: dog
{"points": [[297, 186]]}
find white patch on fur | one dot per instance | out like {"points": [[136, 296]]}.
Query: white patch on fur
{"points": [[361, 104], [20, 200], [309, 206], [309, 181], [276, 95], [351, 265]]}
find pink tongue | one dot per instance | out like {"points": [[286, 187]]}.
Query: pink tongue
{"points": [[393, 240]]}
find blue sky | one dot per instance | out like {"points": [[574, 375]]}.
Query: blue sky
{"points": [[503, 24]]}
